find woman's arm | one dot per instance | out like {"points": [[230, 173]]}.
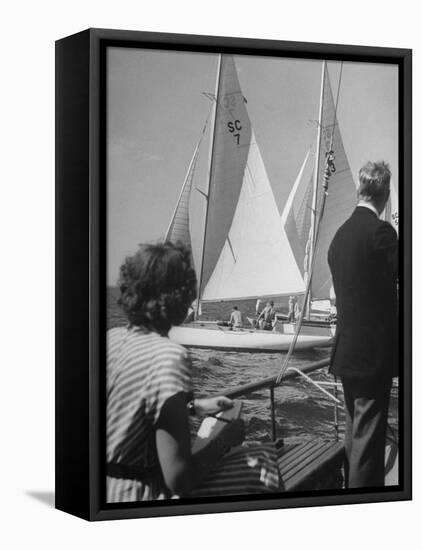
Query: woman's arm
{"points": [[182, 470], [211, 405]]}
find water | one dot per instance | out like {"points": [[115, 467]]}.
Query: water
{"points": [[302, 411]]}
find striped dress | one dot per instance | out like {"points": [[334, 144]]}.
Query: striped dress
{"points": [[144, 369]]}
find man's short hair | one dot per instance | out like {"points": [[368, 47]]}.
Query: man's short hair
{"points": [[374, 180]]}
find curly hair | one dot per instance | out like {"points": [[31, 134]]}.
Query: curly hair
{"points": [[157, 284]]}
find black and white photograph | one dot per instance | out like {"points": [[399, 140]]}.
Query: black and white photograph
{"points": [[210, 243], [252, 245]]}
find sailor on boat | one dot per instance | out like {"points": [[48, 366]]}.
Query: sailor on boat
{"points": [[236, 318], [296, 310], [291, 314], [266, 317]]}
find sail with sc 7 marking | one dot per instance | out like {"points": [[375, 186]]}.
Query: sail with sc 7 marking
{"points": [[246, 251], [232, 137], [247, 254]]}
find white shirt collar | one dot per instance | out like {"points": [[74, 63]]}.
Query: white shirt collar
{"points": [[366, 204]]}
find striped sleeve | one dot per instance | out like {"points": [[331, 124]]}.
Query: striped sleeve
{"points": [[172, 374]]}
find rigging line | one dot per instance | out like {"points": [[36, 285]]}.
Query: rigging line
{"points": [[201, 192], [310, 272], [316, 384], [231, 248]]}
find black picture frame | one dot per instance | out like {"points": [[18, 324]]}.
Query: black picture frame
{"points": [[80, 269]]}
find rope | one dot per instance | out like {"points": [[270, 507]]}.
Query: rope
{"points": [[317, 385], [329, 159], [392, 436]]}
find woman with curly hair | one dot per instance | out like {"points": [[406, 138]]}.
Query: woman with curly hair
{"points": [[149, 387]]}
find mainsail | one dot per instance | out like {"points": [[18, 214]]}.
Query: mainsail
{"points": [[232, 137], [246, 253], [340, 201]]}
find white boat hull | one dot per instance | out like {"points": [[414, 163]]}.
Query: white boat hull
{"points": [[243, 339]]}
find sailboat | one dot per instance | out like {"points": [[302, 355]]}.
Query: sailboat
{"points": [[304, 203], [299, 240], [245, 252]]}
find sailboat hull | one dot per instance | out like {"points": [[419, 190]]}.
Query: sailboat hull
{"points": [[243, 339]]}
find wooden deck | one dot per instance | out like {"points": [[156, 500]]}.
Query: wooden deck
{"points": [[314, 464], [309, 465]]}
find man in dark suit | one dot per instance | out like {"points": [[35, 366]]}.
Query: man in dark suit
{"points": [[363, 263]]}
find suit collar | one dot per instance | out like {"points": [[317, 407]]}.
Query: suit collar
{"points": [[362, 209], [369, 206]]}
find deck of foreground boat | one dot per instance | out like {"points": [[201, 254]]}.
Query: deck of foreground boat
{"points": [[310, 464]]}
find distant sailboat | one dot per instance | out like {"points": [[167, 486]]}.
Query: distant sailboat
{"points": [[305, 199], [245, 251], [179, 229], [303, 205]]}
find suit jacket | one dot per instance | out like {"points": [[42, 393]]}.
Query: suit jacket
{"points": [[363, 262]]}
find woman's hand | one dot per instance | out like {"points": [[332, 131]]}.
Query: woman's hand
{"points": [[212, 405]]}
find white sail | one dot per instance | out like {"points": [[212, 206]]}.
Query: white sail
{"points": [[296, 216], [256, 260], [296, 194], [391, 212]]}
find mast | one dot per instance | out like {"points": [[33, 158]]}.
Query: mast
{"points": [[207, 197], [314, 216], [329, 169]]}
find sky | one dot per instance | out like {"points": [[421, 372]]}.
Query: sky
{"points": [[156, 110]]}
